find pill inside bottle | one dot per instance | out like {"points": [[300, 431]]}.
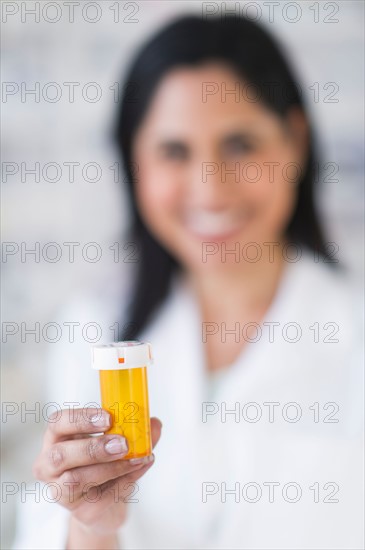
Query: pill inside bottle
{"points": [[124, 392]]}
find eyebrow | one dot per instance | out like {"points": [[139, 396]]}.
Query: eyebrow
{"points": [[240, 135], [247, 136], [236, 135], [173, 142]]}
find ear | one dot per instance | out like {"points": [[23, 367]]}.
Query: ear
{"points": [[299, 133]]}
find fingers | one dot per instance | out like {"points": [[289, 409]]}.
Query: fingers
{"points": [[67, 422], [124, 488], [76, 453], [79, 462], [90, 479], [81, 483], [136, 474], [65, 455], [156, 427]]}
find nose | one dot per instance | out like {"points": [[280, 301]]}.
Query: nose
{"points": [[206, 187]]}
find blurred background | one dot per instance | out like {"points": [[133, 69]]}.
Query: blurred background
{"points": [[62, 180]]}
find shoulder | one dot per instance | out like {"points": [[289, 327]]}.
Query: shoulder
{"points": [[325, 287]]}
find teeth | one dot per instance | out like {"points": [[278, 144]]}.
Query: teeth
{"points": [[205, 222]]}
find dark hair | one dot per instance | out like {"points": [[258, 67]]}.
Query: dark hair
{"points": [[255, 56]]}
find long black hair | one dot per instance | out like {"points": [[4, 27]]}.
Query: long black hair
{"points": [[256, 58]]}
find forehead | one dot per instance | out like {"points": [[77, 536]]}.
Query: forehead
{"points": [[209, 97]]}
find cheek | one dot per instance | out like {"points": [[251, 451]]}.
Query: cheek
{"points": [[158, 195], [268, 169], [283, 182], [269, 184]]}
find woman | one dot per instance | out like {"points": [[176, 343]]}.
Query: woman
{"points": [[251, 326]]}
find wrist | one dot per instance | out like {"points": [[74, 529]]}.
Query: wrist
{"points": [[80, 537]]}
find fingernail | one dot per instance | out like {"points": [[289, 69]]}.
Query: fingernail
{"points": [[143, 460], [101, 420], [116, 446]]}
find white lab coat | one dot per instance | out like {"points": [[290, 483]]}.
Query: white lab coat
{"points": [[212, 484]]}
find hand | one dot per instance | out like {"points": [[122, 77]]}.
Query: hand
{"points": [[92, 479]]}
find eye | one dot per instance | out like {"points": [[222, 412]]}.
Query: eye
{"points": [[237, 145], [175, 151]]}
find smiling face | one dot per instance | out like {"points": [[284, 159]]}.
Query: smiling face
{"points": [[217, 170]]}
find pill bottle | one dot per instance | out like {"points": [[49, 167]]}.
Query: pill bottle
{"points": [[122, 370]]}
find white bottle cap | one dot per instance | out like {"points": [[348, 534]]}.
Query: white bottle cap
{"points": [[130, 354]]}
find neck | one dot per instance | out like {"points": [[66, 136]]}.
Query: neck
{"points": [[238, 287]]}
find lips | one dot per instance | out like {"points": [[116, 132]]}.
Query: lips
{"points": [[204, 223]]}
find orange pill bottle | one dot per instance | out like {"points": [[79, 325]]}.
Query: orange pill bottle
{"points": [[122, 370]]}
